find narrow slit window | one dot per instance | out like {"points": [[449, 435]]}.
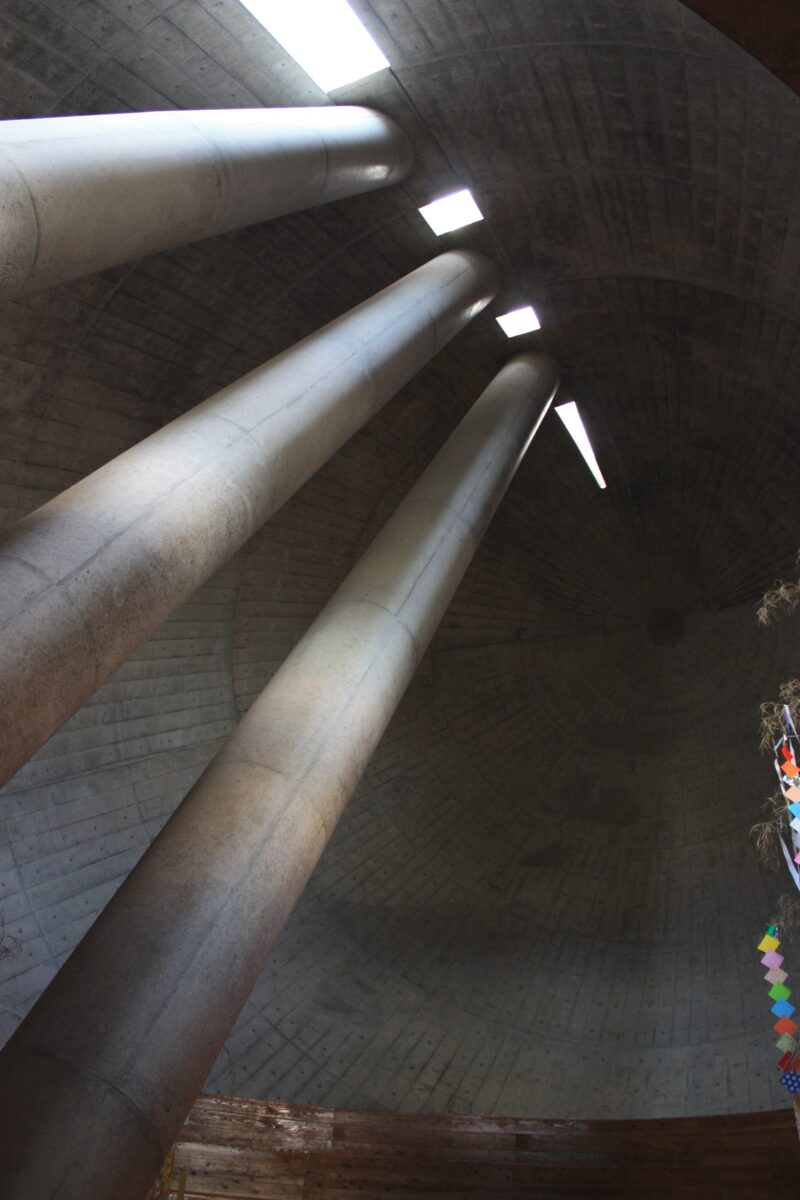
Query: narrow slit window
{"points": [[572, 419]]}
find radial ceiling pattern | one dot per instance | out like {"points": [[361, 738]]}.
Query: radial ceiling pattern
{"points": [[542, 898]]}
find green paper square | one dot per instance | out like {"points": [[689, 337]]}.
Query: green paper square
{"points": [[771, 931], [785, 1042], [779, 991]]}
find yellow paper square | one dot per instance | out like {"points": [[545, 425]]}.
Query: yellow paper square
{"points": [[768, 943]]}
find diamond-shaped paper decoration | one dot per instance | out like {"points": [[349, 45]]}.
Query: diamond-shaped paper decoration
{"points": [[785, 1042], [779, 991], [790, 1061], [791, 1080], [776, 975], [772, 959], [782, 1008], [785, 1025], [768, 943], [794, 809]]}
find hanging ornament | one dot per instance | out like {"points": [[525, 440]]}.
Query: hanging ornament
{"points": [[787, 757], [779, 992]]}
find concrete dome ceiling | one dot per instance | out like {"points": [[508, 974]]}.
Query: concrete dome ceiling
{"points": [[542, 898]]}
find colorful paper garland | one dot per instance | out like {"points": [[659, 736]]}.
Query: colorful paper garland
{"points": [[787, 754], [788, 1041]]}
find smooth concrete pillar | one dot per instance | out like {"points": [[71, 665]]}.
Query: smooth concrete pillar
{"points": [[87, 577], [84, 193], [96, 1082]]}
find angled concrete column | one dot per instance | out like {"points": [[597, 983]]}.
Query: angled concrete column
{"points": [[96, 1082], [84, 193], [85, 578]]}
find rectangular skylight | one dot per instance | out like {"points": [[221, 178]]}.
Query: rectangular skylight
{"points": [[520, 320], [325, 37], [572, 419], [452, 212]]}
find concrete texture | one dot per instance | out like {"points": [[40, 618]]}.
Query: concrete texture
{"points": [[85, 578], [480, 935], [81, 194], [97, 1081]]}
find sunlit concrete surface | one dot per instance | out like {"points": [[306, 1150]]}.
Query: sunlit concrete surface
{"points": [[542, 899]]}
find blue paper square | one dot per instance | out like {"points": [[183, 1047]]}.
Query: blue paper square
{"points": [[794, 809], [782, 1008]]}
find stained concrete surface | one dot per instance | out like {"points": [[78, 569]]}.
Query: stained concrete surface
{"points": [[543, 899], [116, 1050], [86, 578]]}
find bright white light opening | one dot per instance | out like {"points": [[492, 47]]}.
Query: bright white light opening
{"points": [[325, 37], [521, 320], [452, 212], [572, 419]]}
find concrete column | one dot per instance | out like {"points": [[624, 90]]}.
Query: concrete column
{"points": [[84, 193], [86, 578], [96, 1081]]}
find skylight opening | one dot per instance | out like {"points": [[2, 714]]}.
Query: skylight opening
{"points": [[520, 320], [572, 419], [452, 212], [324, 37]]}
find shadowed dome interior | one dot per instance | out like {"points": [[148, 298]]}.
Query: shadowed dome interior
{"points": [[542, 898]]}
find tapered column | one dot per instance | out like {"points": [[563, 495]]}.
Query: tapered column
{"points": [[95, 1083], [84, 193], [86, 578]]}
